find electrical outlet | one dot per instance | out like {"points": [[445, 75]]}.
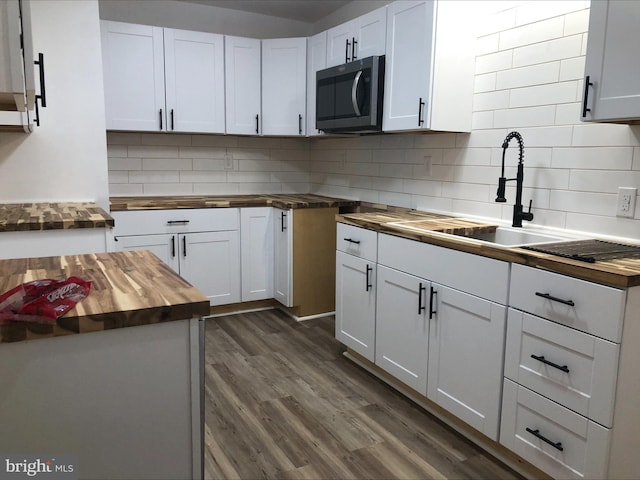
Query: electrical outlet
{"points": [[228, 161], [626, 202]]}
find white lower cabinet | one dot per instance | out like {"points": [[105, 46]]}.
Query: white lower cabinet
{"points": [[402, 327], [283, 256], [555, 439], [466, 342], [202, 245], [356, 304], [256, 247]]}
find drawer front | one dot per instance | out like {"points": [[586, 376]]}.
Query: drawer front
{"points": [[481, 276], [570, 367], [585, 306], [357, 241], [148, 222], [581, 445]]}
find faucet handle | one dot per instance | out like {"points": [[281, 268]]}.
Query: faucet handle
{"points": [[528, 216], [502, 183]]}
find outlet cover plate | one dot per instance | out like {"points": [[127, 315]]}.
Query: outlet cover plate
{"points": [[626, 206]]}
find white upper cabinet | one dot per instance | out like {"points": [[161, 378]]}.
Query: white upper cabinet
{"points": [[140, 61], [284, 85], [360, 38], [242, 80], [611, 88], [424, 88], [194, 81], [133, 62], [316, 60]]}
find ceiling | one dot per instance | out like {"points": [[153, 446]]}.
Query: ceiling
{"points": [[309, 11]]}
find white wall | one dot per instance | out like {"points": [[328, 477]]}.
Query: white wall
{"points": [[65, 159]]}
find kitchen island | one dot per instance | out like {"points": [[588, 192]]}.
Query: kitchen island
{"points": [[117, 381]]}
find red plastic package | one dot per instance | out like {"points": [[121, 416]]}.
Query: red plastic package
{"points": [[42, 300]]}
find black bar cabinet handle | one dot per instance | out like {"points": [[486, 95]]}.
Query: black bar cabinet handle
{"points": [[257, 123], [541, 358], [354, 42], [37, 119], [282, 222], [172, 119], [369, 270], [299, 124], [433, 293], [421, 307], [556, 299], [177, 222], [536, 433], [587, 84], [160, 119], [184, 246], [346, 51], [357, 242], [173, 246], [420, 105], [43, 93]]}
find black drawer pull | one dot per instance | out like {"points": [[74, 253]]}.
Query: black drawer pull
{"points": [[369, 270], [160, 119], [541, 358], [283, 222], [421, 307], [421, 104], [536, 433], [357, 242], [184, 246], [433, 293], [177, 222], [556, 299]]}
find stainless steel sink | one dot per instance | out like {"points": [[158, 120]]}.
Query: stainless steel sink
{"points": [[514, 237]]}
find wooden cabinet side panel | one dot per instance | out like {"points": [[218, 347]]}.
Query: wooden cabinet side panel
{"points": [[314, 267]]}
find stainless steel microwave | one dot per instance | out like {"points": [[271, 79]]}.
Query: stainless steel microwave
{"points": [[349, 97]]}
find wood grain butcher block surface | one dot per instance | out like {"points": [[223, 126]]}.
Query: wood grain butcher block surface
{"points": [[129, 289], [17, 217], [286, 201], [621, 273]]}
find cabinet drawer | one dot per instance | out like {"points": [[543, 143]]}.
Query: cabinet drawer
{"points": [[584, 371], [583, 443], [357, 241], [585, 306], [481, 276], [148, 222]]}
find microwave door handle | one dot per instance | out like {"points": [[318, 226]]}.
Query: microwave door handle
{"points": [[354, 93]]}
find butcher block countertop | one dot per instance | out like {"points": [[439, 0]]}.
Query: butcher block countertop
{"points": [[19, 217], [129, 289], [621, 273], [285, 201]]}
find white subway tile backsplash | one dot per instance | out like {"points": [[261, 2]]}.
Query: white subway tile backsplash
{"points": [[547, 136], [494, 62], [387, 184], [167, 164], [572, 69], [422, 187], [503, 19], [263, 143], [154, 177], [475, 174], [116, 151], [125, 189], [249, 154], [597, 158], [550, 51], [538, 10], [152, 151], [216, 189], [123, 138], [603, 181], [168, 189], [352, 168], [532, 33], [549, 94], [119, 177], [576, 22], [525, 117], [528, 76], [219, 141], [487, 44], [203, 177], [583, 202], [116, 164], [482, 120], [435, 140], [290, 177], [467, 191], [485, 82], [636, 158], [392, 198], [603, 134], [552, 179], [202, 152], [178, 139], [491, 100], [396, 141], [568, 113], [610, 225], [481, 138], [467, 156], [249, 177], [427, 203], [259, 188], [210, 164]]}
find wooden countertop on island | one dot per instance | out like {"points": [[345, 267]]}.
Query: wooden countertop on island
{"points": [[20, 217], [129, 289]]}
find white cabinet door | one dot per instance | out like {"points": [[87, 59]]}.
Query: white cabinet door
{"points": [[402, 327], [356, 304], [339, 44], [410, 34], [370, 34], [612, 62], [211, 262], [194, 79], [466, 346], [283, 256], [242, 81], [256, 251], [316, 60], [165, 246], [284, 85], [133, 61]]}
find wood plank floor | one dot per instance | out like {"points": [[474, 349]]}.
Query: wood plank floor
{"points": [[282, 402]]}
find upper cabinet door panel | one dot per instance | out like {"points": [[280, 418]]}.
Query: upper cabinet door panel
{"points": [[612, 62], [408, 65], [339, 44], [284, 82], [133, 61], [370, 34], [242, 80], [194, 78]]}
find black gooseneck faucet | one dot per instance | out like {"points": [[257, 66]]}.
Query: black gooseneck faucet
{"points": [[518, 213]]}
